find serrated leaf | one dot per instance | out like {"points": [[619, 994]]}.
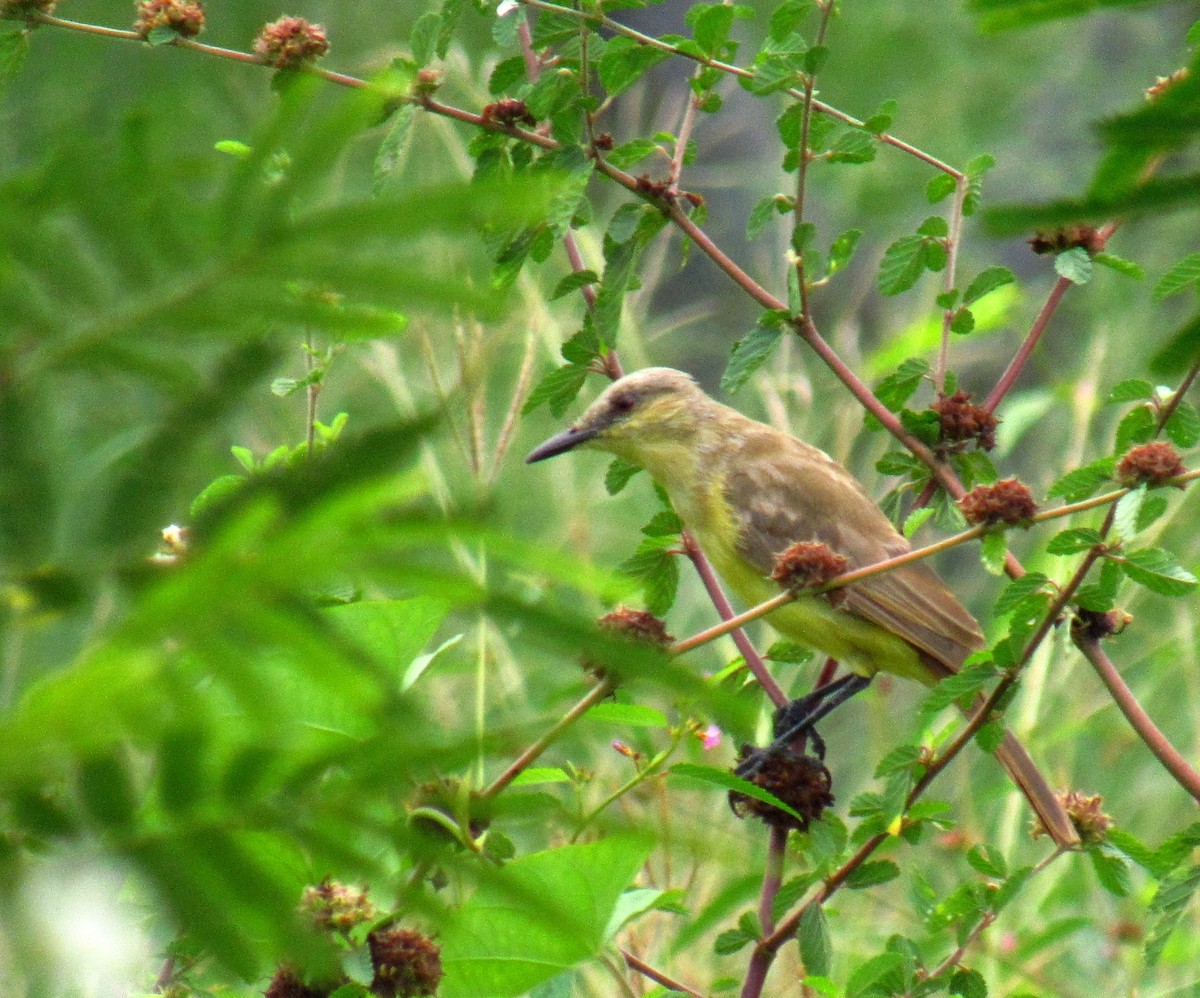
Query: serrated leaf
{"points": [[664, 523], [731, 941], [1136, 427], [1128, 511], [759, 215], [870, 874], [961, 685], [939, 188], [790, 652], [882, 974], [968, 983], [1074, 264], [904, 757], [1111, 871], [898, 387], [618, 475], [1183, 426], [853, 146], [558, 389], [634, 151], [915, 519], [1167, 906], [1179, 278], [987, 281], [903, 263], [424, 36], [842, 249], [1073, 541], [624, 62], [573, 282], [993, 551], [1120, 265], [816, 947], [988, 860], [508, 73], [656, 569], [749, 354], [1131, 390], [1019, 590], [1081, 483], [1158, 571]]}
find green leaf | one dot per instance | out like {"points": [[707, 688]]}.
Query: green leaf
{"points": [[732, 940], [1083, 482], [915, 520], [624, 62], [987, 281], [940, 187], [1158, 571], [633, 715], [494, 945], [664, 523], [1111, 871], [558, 389], [987, 859], [573, 282], [727, 781], [750, 353], [1183, 426], [973, 678], [508, 73], [872, 873], [897, 388], [1185, 274], [710, 24], [789, 652], [882, 975], [968, 983], [1073, 541], [1074, 264], [1180, 349], [1017, 591], [618, 475], [1128, 511], [853, 146], [424, 36], [629, 153], [993, 551], [1167, 908], [907, 259], [1136, 427], [656, 570], [816, 946], [14, 48], [842, 249], [1131, 390], [881, 120], [1120, 265]]}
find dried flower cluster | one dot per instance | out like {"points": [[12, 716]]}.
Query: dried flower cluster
{"points": [[641, 625], [962, 420], [800, 781], [1068, 237], [1091, 822], [807, 564], [290, 42], [1008, 501], [1153, 464], [184, 17]]}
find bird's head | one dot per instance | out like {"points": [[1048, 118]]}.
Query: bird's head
{"points": [[639, 412]]}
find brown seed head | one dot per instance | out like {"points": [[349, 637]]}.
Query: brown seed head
{"points": [[807, 564], [290, 41], [19, 10], [962, 420], [1084, 812], [336, 906], [800, 781], [1068, 237], [407, 963], [603, 142], [641, 625], [508, 112], [1091, 624], [184, 17], [285, 984], [1152, 463], [1008, 501]]}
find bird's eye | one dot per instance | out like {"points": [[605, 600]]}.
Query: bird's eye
{"points": [[622, 403]]}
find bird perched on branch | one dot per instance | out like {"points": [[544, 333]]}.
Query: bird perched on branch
{"points": [[747, 492]]}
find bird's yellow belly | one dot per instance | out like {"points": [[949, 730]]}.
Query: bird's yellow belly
{"points": [[861, 646]]}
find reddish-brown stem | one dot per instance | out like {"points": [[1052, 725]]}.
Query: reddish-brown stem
{"points": [[713, 587], [1138, 719], [529, 756], [1166, 411], [657, 976], [952, 241], [1021, 357]]}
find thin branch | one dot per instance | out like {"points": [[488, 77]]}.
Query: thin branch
{"points": [[526, 759], [657, 976], [952, 243], [1139, 720], [1021, 357], [1168, 409]]}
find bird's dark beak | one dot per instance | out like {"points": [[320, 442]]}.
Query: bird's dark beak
{"points": [[560, 443]]}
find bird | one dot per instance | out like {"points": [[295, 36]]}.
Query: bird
{"points": [[746, 492]]}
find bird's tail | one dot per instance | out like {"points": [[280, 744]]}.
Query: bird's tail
{"points": [[1042, 799]]}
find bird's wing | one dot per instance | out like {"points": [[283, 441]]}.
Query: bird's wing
{"points": [[782, 491]]}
